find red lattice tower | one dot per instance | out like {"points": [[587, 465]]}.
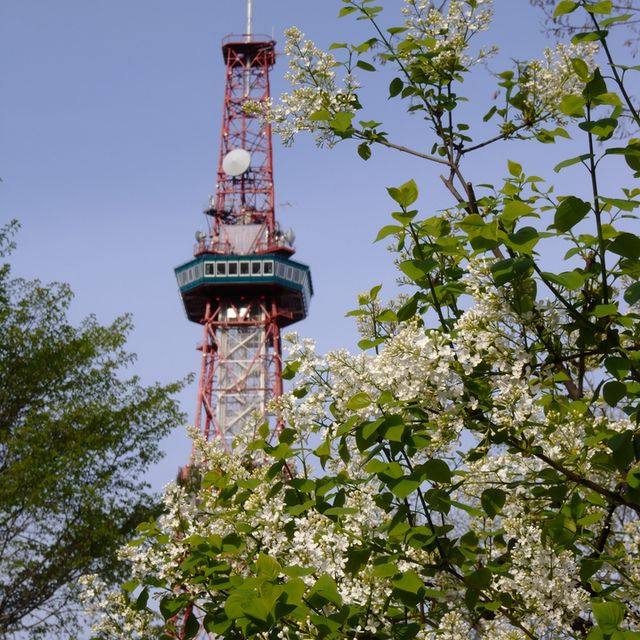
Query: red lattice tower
{"points": [[242, 284]]}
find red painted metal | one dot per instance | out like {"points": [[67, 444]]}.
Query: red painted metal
{"points": [[248, 198], [241, 346], [258, 375]]}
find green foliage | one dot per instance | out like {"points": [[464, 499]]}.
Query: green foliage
{"points": [[74, 439], [477, 475]]}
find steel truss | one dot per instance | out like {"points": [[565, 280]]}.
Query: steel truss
{"points": [[241, 369]]}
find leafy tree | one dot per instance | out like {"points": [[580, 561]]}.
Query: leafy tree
{"points": [[474, 472], [75, 438], [561, 25]]}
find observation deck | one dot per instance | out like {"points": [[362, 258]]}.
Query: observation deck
{"points": [[247, 49], [243, 277]]}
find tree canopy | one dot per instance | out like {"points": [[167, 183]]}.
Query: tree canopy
{"points": [[75, 439], [473, 472]]}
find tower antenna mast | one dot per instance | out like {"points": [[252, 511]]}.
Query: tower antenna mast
{"points": [[249, 19]]}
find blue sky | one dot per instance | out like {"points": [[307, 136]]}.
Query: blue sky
{"points": [[109, 133]]}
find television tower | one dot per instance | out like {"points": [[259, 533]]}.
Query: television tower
{"points": [[242, 285]]}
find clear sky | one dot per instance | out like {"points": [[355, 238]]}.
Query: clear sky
{"points": [[109, 133]]}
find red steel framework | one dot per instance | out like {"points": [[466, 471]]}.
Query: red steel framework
{"points": [[248, 197], [241, 352], [242, 286]]}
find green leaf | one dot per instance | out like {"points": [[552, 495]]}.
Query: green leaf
{"points": [[267, 567], [604, 310], [346, 11], [589, 36], [409, 581], [388, 315], [341, 121], [592, 518], [191, 627], [296, 571], [626, 245], [408, 309], [404, 217], [417, 269], [130, 585], [523, 240], [564, 7], [613, 392], [480, 579], [395, 87], [364, 150], [361, 64], [357, 559], [375, 465], [572, 161], [405, 631], [595, 87], [290, 370], [611, 99], [472, 224], [435, 470], [589, 566], [547, 136], [581, 68], [608, 615], [618, 367], [604, 7], [571, 280], [515, 169], [602, 128], [360, 400], [141, 600], [297, 509], [514, 209], [387, 231], [403, 487], [503, 272], [570, 211], [633, 477], [171, 605], [323, 452], [366, 343], [492, 501], [245, 602], [322, 114], [572, 105], [406, 194], [439, 500], [619, 203], [632, 154], [612, 20], [632, 294], [369, 124], [622, 449], [325, 589], [487, 116]]}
